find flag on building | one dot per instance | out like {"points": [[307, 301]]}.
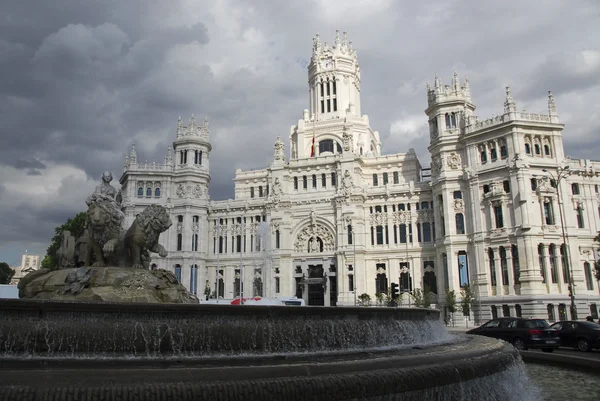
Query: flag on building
{"points": [[312, 147]]}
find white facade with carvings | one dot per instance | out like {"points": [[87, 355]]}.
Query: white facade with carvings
{"points": [[343, 219]]}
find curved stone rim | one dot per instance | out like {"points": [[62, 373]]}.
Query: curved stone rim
{"points": [[42, 306], [378, 375]]}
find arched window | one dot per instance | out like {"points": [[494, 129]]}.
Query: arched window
{"points": [[453, 120], [157, 192], [140, 192], [460, 223], [503, 151], [430, 281], [547, 150], [148, 192], [447, 121], [296, 183], [329, 145], [536, 147], [527, 148], [483, 156], [252, 188]]}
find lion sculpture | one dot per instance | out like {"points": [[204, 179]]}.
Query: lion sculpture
{"points": [[104, 224], [142, 236]]}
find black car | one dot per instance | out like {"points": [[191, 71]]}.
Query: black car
{"points": [[584, 336], [520, 332]]}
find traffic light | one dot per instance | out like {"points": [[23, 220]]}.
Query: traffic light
{"points": [[395, 292]]}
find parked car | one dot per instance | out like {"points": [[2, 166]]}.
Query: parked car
{"points": [[520, 332], [584, 336]]}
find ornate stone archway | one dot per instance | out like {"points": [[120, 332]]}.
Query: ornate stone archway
{"points": [[314, 238]]}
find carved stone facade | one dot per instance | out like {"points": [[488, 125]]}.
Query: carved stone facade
{"points": [[350, 213]]}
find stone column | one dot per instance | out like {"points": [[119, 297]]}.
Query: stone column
{"points": [[548, 267], [498, 266], [509, 267]]}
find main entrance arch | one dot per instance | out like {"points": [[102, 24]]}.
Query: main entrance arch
{"points": [[315, 263]]}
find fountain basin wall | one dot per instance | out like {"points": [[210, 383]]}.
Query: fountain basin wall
{"points": [[64, 329], [75, 351]]}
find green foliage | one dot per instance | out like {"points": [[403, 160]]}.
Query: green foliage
{"points": [[6, 273], [422, 298], [467, 299], [380, 296], [451, 301], [75, 225], [364, 299], [418, 297]]}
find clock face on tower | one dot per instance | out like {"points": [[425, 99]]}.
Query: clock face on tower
{"points": [[328, 64]]}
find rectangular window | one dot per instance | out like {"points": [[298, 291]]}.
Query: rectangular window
{"points": [[498, 216], [178, 272], [396, 178], [575, 189], [580, 222], [277, 285], [457, 195], [304, 182], [403, 233], [322, 106], [333, 180], [314, 181], [334, 104], [277, 239], [506, 185], [221, 247], [387, 235], [589, 280], [296, 183], [375, 180], [350, 234], [426, 232], [195, 242], [395, 234], [548, 212], [379, 230], [260, 191], [350, 282], [194, 279], [385, 178], [238, 243], [179, 242], [324, 180]]}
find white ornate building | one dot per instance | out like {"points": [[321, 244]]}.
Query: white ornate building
{"points": [[341, 219]]}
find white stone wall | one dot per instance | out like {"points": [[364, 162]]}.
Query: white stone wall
{"points": [[341, 190]]}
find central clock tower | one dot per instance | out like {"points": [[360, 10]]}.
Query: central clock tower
{"points": [[333, 79]]}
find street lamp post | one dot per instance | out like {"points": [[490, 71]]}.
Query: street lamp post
{"points": [[563, 172]]}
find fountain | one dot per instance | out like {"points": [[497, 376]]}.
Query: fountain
{"points": [[113, 329]]}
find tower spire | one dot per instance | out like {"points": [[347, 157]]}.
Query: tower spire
{"points": [[133, 155]]}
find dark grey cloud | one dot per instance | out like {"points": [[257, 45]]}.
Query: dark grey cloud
{"points": [[82, 80], [32, 164]]}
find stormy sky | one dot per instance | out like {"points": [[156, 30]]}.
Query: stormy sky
{"points": [[81, 80]]}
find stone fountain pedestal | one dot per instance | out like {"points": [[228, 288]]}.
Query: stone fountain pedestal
{"points": [[105, 284]]}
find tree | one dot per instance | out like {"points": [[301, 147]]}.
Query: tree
{"points": [[75, 225], [427, 297], [418, 298], [467, 298], [450, 302], [6, 273], [364, 299], [380, 296]]}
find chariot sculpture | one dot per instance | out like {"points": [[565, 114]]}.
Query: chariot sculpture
{"points": [[101, 263]]}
